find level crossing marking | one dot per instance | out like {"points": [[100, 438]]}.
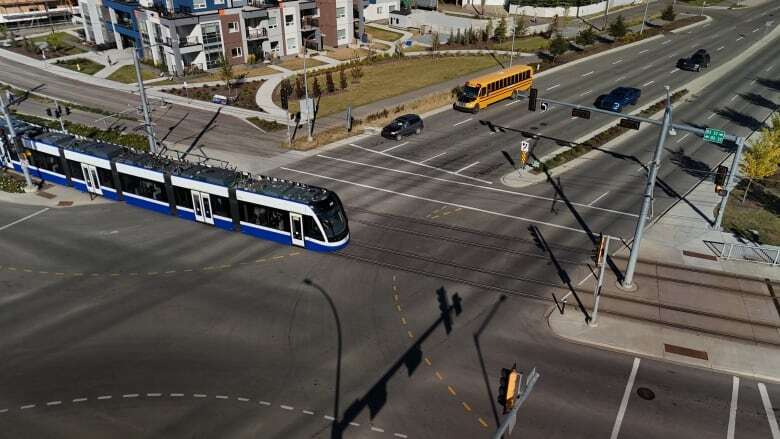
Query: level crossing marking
{"points": [[733, 408], [588, 74], [587, 92], [466, 167], [431, 158], [552, 87], [648, 83], [770, 412], [476, 186], [585, 279], [432, 200], [683, 137], [617, 62], [597, 199], [624, 403], [396, 146], [24, 219], [463, 121]]}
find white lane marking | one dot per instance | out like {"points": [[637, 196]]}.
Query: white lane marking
{"points": [[265, 403], [54, 403], [512, 103], [154, 395], [431, 158], [243, 399], [694, 46], [220, 396], [176, 395], [377, 429], [354, 424], [463, 183], [23, 219], [329, 418], [769, 68], [307, 412], [3, 410], [597, 199], [585, 279], [740, 38], [419, 164], [620, 79], [770, 412], [103, 397], [417, 197], [28, 406], [130, 395], [646, 50], [648, 83], [732, 98], [710, 116], [588, 74], [587, 92], [752, 82], [666, 42], [402, 436], [624, 403], [396, 146], [287, 407], [719, 49], [79, 399], [756, 30], [199, 395], [573, 117], [647, 66], [682, 138], [466, 167], [553, 87], [617, 62], [733, 409], [463, 121], [674, 71]]}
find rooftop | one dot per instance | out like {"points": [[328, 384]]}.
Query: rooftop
{"points": [[280, 188]]}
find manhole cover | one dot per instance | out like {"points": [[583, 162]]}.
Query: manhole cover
{"points": [[65, 203], [645, 393]]}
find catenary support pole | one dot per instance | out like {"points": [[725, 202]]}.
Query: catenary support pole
{"points": [[733, 174], [12, 132], [599, 283], [628, 279], [309, 129], [642, 27], [144, 106]]}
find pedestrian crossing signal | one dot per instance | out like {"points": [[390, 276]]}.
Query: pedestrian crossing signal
{"points": [[720, 178]]}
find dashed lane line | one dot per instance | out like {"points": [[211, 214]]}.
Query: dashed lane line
{"points": [[130, 395], [740, 38], [674, 71], [666, 42], [617, 62], [710, 116], [103, 397], [644, 51], [396, 146], [719, 49], [553, 87], [682, 138], [733, 408], [433, 157], [648, 83], [377, 429], [620, 79], [287, 407], [588, 74], [463, 121]]}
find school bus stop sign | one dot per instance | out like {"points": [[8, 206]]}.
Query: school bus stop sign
{"points": [[714, 136]]}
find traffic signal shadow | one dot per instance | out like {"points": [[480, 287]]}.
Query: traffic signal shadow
{"points": [[740, 118], [694, 167], [376, 397], [485, 376]]}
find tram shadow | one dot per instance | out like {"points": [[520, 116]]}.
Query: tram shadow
{"points": [[376, 397]]}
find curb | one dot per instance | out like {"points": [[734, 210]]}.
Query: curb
{"points": [[692, 25]]}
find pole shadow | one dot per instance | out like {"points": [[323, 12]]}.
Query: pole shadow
{"points": [[476, 336]]}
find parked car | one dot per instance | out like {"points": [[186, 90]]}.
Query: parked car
{"points": [[696, 62], [618, 98], [403, 126]]}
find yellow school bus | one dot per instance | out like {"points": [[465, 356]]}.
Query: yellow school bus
{"points": [[480, 92]]}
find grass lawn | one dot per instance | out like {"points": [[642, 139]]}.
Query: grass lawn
{"points": [[392, 78], [297, 63], [381, 34], [525, 44], [126, 74], [416, 48], [82, 65], [378, 46], [760, 211], [346, 53], [71, 45]]}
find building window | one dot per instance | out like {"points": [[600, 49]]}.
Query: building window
{"points": [[235, 52], [341, 12], [392, 8], [213, 59], [198, 4], [341, 34], [233, 27], [378, 9], [210, 32], [289, 20], [219, 2], [292, 44], [272, 23]]}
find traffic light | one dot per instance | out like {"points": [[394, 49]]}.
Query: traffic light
{"points": [[503, 385], [532, 96], [523, 158], [508, 387], [629, 123], [598, 251], [720, 177], [580, 112]]}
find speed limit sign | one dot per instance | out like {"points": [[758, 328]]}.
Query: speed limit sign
{"points": [[525, 146]]}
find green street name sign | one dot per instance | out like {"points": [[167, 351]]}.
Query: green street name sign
{"points": [[714, 136]]}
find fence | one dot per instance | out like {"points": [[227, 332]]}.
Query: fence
{"points": [[746, 253]]}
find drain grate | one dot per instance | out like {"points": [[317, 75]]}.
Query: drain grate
{"points": [[645, 393], [679, 350], [65, 203]]}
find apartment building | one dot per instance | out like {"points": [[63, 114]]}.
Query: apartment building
{"points": [[336, 22], [95, 30], [15, 14]]}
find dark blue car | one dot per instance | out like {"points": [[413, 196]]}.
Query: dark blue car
{"points": [[618, 98]]}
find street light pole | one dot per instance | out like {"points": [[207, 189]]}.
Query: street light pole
{"points": [[701, 11], [642, 28], [512, 54], [733, 174], [12, 132], [648, 197], [144, 105], [306, 90]]}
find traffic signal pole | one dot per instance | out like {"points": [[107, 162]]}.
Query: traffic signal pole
{"points": [[508, 423], [23, 160], [733, 174], [144, 105]]}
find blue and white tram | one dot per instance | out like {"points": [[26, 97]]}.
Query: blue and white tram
{"points": [[275, 209]]}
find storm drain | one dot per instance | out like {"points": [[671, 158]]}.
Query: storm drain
{"points": [[687, 352], [645, 393]]}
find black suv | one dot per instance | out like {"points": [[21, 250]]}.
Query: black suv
{"points": [[403, 126], [696, 62]]}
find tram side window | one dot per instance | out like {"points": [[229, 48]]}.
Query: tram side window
{"points": [[143, 187], [310, 228], [106, 179], [264, 216], [75, 170], [47, 162], [183, 197], [220, 206]]}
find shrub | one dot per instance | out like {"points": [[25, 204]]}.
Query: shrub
{"points": [[342, 79], [558, 46], [316, 90], [668, 14], [618, 27], [586, 37], [329, 84]]}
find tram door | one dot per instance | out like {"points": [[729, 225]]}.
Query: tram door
{"points": [[201, 202], [5, 159], [91, 179], [296, 226]]}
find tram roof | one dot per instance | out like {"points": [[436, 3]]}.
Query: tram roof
{"points": [[208, 174], [145, 160], [93, 148], [53, 138], [284, 189]]}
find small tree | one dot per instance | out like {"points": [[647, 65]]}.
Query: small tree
{"points": [[521, 25], [316, 90], [451, 38], [459, 37], [329, 84], [586, 37], [558, 46], [226, 72], [342, 78], [284, 93], [668, 14], [55, 42], [500, 33], [435, 44], [356, 71], [552, 29], [761, 158], [488, 31], [618, 27], [299, 92]]}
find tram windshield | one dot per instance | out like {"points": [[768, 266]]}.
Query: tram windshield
{"points": [[332, 217]]}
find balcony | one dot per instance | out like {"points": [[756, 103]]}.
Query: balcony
{"points": [[256, 34], [185, 45], [309, 23], [128, 7]]}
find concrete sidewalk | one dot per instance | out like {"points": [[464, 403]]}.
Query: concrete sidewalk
{"points": [[52, 196]]}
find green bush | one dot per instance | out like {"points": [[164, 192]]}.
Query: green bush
{"points": [[668, 14]]}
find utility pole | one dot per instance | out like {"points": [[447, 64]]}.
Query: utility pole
{"points": [[606, 12], [628, 279], [144, 106], [642, 28], [512, 54], [12, 132], [733, 174], [306, 89]]}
